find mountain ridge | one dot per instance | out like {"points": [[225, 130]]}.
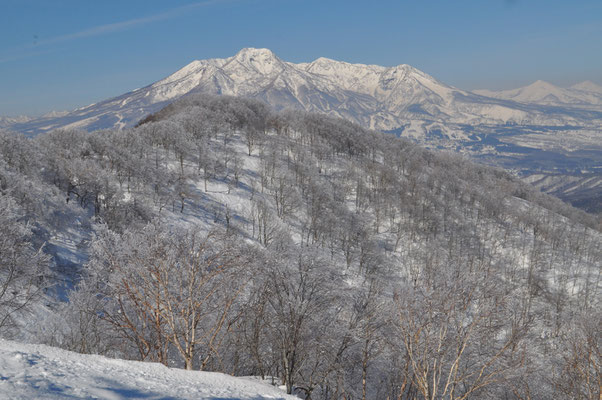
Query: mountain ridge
{"points": [[377, 97]]}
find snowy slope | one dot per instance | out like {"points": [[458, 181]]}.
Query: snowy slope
{"points": [[377, 97], [41, 372]]}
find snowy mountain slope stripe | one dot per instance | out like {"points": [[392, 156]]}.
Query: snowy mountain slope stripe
{"points": [[41, 372]]}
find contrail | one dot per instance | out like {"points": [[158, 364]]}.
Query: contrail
{"points": [[123, 25], [28, 51]]}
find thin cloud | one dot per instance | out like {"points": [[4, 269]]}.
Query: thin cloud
{"points": [[31, 50], [124, 25], [23, 54]]}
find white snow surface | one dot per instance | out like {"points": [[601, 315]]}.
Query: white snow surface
{"points": [[32, 371]]}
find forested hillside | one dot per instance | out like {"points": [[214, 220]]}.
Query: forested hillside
{"points": [[346, 263]]}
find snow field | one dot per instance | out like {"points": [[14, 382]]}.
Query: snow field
{"points": [[30, 371]]}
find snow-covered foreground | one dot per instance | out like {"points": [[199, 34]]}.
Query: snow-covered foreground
{"points": [[41, 372]]}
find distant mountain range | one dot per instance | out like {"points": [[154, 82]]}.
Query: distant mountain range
{"points": [[384, 98], [584, 94], [8, 121], [22, 119]]}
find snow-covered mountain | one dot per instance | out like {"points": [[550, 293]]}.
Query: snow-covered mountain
{"points": [[588, 86], [32, 371], [384, 98], [584, 94], [8, 121]]}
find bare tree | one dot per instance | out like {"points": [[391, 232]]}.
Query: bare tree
{"points": [[23, 269], [170, 289], [459, 335], [581, 374], [298, 299]]}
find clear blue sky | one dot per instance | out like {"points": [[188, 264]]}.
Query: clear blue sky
{"points": [[63, 54]]}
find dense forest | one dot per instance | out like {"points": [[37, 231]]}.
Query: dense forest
{"points": [[340, 262]]}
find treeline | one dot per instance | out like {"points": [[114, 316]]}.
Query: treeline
{"points": [[340, 262]]}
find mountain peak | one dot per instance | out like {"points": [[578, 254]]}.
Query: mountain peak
{"points": [[588, 86], [261, 60], [405, 69], [254, 52], [542, 92], [253, 55], [323, 61], [542, 84], [325, 65]]}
